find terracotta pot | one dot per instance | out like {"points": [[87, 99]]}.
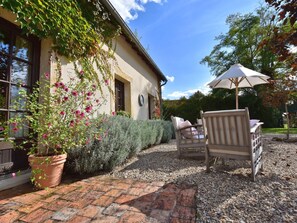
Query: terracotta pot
{"points": [[47, 170]]}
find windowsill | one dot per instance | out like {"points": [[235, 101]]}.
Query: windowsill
{"points": [[10, 180]]}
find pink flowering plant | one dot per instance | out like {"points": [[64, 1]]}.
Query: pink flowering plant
{"points": [[60, 116]]}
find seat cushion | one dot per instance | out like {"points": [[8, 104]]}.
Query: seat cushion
{"points": [[189, 133]]}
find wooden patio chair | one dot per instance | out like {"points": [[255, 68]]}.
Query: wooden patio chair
{"points": [[229, 135], [190, 139]]}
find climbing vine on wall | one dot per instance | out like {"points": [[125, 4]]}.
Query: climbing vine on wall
{"points": [[79, 29]]}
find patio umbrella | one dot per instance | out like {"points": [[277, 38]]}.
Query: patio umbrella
{"points": [[238, 76]]}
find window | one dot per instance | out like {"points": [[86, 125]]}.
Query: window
{"points": [[19, 67], [119, 96]]}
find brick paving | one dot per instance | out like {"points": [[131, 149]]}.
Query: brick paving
{"points": [[100, 199]]}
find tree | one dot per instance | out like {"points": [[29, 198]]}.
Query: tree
{"points": [[241, 45], [283, 39]]}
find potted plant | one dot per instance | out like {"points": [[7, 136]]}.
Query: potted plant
{"points": [[59, 118]]}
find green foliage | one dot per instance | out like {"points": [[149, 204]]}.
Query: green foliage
{"points": [[79, 29], [124, 138], [124, 113], [58, 116]]}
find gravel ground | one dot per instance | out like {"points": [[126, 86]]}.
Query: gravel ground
{"points": [[227, 194]]}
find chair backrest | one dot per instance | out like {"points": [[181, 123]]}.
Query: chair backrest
{"points": [[176, 121], [228, 132]]}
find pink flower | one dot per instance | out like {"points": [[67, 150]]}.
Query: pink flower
{"points": [[89, 109], [113, 113], [66, 88], [107, 82], [1, 128], [81, 73], [82, 114], [97, 100], [65, 98], [88, 98], [87, 123], [14, 124], [89, 94], [74, 93], [94, 86], [62, 113], [49, 124], [47, 75], [57, 84], [77, 112], [88, 141], [13, 175], [15, 129], [71, 123], [44, 136]]}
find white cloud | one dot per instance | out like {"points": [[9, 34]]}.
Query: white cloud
{"points": [[128, 8], [179, 94], [170, 78]]}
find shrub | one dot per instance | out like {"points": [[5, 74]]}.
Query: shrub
{"points": [[123, 138]]}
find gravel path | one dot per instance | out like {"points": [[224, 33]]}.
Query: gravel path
{"points": [[227, 194]]}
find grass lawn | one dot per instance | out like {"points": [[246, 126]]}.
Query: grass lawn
{"points": [[279, 130]]}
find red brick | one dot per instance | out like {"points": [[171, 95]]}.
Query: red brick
{"points": [[106, 219], [160, 215], [65, 189], [189, 192], [157, 183], [151, 189], [186, 198], [140, 185], [185, 213], [125, 198], [10, 217], [57, 205], [51, 198], [27, 198], [165, 202], [140, 206], [81, 203], [29, 208], [148, 197], [103, 201], [74, 195], [133, 217], [122, 186], [136, 191], [79, 219], [102, 188], [114, 210], [114, 193], [178, 220], [91, 211], [39, 215], [45, 192]]}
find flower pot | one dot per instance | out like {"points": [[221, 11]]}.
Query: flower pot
{"points": [[47, 170]]}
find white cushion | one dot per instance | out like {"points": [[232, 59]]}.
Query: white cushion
{"points": [[189, 133], [253, 122]]}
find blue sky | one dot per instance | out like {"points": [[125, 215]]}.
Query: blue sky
{"points": [[179, 33]]}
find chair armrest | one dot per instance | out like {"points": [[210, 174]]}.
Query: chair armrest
{"points": [[195, 126], [255, 127]]}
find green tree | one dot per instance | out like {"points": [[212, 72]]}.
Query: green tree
{"points": [[241, 45]]}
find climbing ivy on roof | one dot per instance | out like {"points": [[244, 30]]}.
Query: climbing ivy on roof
{"points": [[79, 28]]}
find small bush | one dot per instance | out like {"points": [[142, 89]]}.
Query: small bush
{"points": [[122, 138]]}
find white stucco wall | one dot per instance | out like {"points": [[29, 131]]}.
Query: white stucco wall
{"points": [[131, 69]]}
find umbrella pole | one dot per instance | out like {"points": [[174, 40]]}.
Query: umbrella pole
{"points": [[236, 95]]}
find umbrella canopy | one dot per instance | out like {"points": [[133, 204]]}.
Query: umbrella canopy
{"points": [[238, 76]]}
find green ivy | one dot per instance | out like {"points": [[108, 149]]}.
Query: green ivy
{"points": [[79, 29]]}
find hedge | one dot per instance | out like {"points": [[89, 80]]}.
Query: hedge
{"points": [[122, 138]]}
